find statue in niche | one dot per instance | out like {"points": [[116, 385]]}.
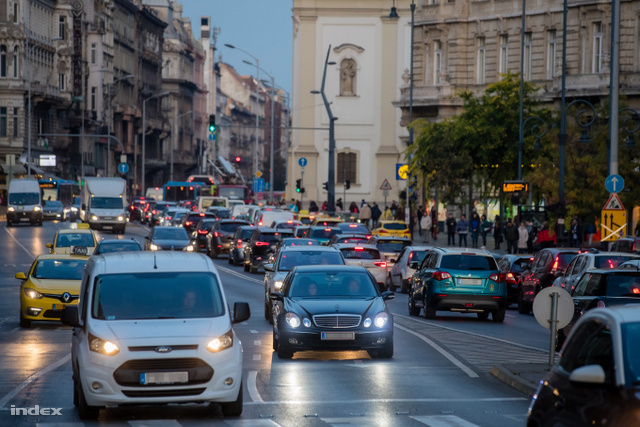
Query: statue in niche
{"points": [[348, 78]]}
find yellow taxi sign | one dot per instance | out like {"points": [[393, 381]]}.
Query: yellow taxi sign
{"points": [[82, 225], [514, 186]]}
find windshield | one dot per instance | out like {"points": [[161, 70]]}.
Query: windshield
{"points": [[354, 228], [21, 199], [324, 233], [59, 269], [52, 204], [106, 203], [417, 256], [332, 285], [287, 225], [290, 259], [270, 238], [468, 262], [171, 233], [392, 245], [521, 265], [231, 227], [564, 260], [361, 253], [108, 248], [395, 226], [67, 240], [610, 261], [179, 295]]}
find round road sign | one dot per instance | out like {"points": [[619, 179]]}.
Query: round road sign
{"points": [[542, 307]]}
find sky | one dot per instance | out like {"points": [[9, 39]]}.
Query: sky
{"points": [[261, 27]]}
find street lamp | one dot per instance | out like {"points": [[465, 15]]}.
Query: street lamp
{"points": [[331, 182], [144, 131], [109, 118], [255, 157]]}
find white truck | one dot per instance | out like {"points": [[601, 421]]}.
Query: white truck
{"points": [[103, 204]]}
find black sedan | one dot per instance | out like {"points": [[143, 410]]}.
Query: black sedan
{"points": [[168, 239], [220, 237], [331, 308]]}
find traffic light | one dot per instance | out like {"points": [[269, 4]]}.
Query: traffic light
{"points": [[347, 184], [238, 159], [298, 185], [212, 123], [325, 185]]}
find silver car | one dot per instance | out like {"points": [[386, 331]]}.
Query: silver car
{"points": [[367, 256], [289, 257], [401, 272]]}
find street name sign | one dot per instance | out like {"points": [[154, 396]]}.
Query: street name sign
{"points": [[614, 183]]}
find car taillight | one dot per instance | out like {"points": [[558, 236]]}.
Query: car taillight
{"points": [[511, 278], [188, 223], [600, 304], [382, 230], [153, 212], [441, 275], [262, 244], [555, 263], [368, 236], [203, 232], [382, 264], [239, 243], [358, 248], [497, 277]]}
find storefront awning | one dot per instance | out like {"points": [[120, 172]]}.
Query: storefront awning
{"points": [[38, 170], [16, 170]]}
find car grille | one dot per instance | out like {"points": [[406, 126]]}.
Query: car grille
{"points": [[173, 347], [163, 393], [60, 297], [128, 374], [337, 320]]}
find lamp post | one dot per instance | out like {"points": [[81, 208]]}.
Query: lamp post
{"points": [[179, 115], [521, 133], [255, 156], [144, 132], [331, 182]]}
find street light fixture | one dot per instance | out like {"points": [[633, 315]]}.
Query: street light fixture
{"points": [[144, 132]]}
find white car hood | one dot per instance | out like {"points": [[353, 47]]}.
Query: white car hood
{"points": [[165, 328], [107, 212]]}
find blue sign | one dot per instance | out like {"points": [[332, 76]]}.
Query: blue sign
{"points": [[258, 185], [212, 137], [123, 168], [302, 161], [402, 171], [614, 183]]}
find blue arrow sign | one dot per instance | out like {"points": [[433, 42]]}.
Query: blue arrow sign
{"points": [[614, 183], [302, 161], [123, 168], [212, 137]]}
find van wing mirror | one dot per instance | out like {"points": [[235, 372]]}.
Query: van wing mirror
{"points": [[84, 206], [241, 312], [414, 265], [69, 316]]}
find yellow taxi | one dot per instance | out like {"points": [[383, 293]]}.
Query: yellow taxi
{"points": [[392, 228], [80, 237], [51, 284], [326, 220], [305, 217]]}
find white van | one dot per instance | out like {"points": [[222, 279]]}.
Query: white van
{"points": [[154, 328], [24, 202], [268, 216], [204, 202]]}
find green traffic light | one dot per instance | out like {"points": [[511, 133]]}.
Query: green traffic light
{"points": [[212, 128], [297, 190]]}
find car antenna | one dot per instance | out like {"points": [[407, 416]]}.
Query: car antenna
{"points": [[155, 264]]}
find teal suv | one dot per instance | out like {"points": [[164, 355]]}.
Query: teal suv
{"points": [[456, 279]]}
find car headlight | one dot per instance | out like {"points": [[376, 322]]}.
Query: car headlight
{"points": [[94, 217], [221, 343], [367, 322], [293, 320], [74, 209], [11, 209], [120, 218], [37, 208], [102, 346], [32, 293], [153, 247], [189, 248], [381, 319], [306, 322], [278, 285]]}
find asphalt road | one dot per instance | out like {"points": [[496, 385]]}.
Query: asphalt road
{"points": [[439, 375]]}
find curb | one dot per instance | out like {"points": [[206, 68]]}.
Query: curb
{"points": [[514, 381]]}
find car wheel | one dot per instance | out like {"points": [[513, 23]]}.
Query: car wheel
{"points": [[214, 254], [252, 269], [498, 315], [233, 409], [429, 312], [230, 260], [413, 310], [385, 352], [246, 267], [483, 315], [40, 223], [236, 261], [24, 323], [405, 286], [8, 223], [267, 313], [76, 398], [274, 342], [85, 411]]}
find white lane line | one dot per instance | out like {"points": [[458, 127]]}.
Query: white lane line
{"points": [[443, 421], [19, 244], [257, 356], [253, 331], [32, 378], [366, 401], [257, 342], [442, 351], [242, 276], [252, 387]]}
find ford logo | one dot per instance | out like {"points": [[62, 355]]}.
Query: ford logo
{"points": [[163, 349]]}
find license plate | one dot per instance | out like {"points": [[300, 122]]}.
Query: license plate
{"points": [[337, 336], [59, 306], [24, 219], [164, 377], [474, 282], [107, 227]]}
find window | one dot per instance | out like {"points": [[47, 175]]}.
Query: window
{"points": [[15, 12], [551, 54], [481, 61], [94, 53], [596, 66], [504, 54], [61, 81], [591, 344], [94, 92], [15, 122], [3, 121], [62, 26], [3, 61], [437, 62], [347, 164], [527, 56], [15, 62]]}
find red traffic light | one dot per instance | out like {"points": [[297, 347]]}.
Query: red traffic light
{"points": [[238, 159]]}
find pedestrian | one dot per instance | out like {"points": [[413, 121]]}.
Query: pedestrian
{"points": [[298, 205], [523, 238], [512, 236], [412, 222], [425, 224], [313, 207], [362, 203], [293, 207], [497, 232], [451, 230], [365, 215], [544, 238], [434, 223], [375, 214], [339, 205], [462, 227], [475, 229], [485, 228], [575, 232], [394, 208], [561, 232], [387, 215], [324, 206], [353, 208], [420, 215]]}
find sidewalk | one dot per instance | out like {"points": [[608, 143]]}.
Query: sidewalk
{"points": [[524, 377], [442, 241]]}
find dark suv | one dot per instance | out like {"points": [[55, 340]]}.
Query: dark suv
{"points": [[190, 221], [626, 244], [262, 244], [219, 239], [547, 265]]}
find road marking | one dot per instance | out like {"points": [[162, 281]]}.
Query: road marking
{"points": [[257, 356], [19, 244], [252, 387], [235, 273], [442, 351], [32, 378], [253, 331], [366, 401], [251, 423], [257, 342], [443, 421]]}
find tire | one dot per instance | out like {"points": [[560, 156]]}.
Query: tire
{"points": [[252, 269], [498, 315], [429, 312], [385, 352], [267, 313], [8, 223], [85, 411], [274, 342], [24, 323], [230, 260], [405, 287], [40, 223], [235, 261], [76, 397], [214, 254], [483, 315], [246, 267], [233, 409], [413, 310]]}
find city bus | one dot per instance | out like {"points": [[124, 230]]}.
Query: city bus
{"points": [[175, 191], [59, 189]]}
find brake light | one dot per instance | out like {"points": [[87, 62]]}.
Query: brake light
{"points": [[441, 275], [600, 304], [201, 214], [188, 223], [497, 277], [368, 236], [359, 248], [154, 211], [382, 264], [203, 232], [511, 278], [239, 242], [382, 230], [353, 225], [327, 229], [555, 263], [289, 222], [216, 234], [262, 244]]}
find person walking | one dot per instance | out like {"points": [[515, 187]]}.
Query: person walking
{"points": [[365, 214], [313, 206], [451, 230], [523, 238], [425, 224], [463, 229], [497, 232], [387, 215], [475, 229], [485, 228], [512, 236], [575, 232], [376, 213], [353, 208]]}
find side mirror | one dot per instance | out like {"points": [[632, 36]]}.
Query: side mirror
{"points": [[241, 312], [276, 296], [49, 245], [414, 265], [69, 316], [84, 207], [268, 267], [387, 295], [21, 276], [589, 374], [393, 260]]}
